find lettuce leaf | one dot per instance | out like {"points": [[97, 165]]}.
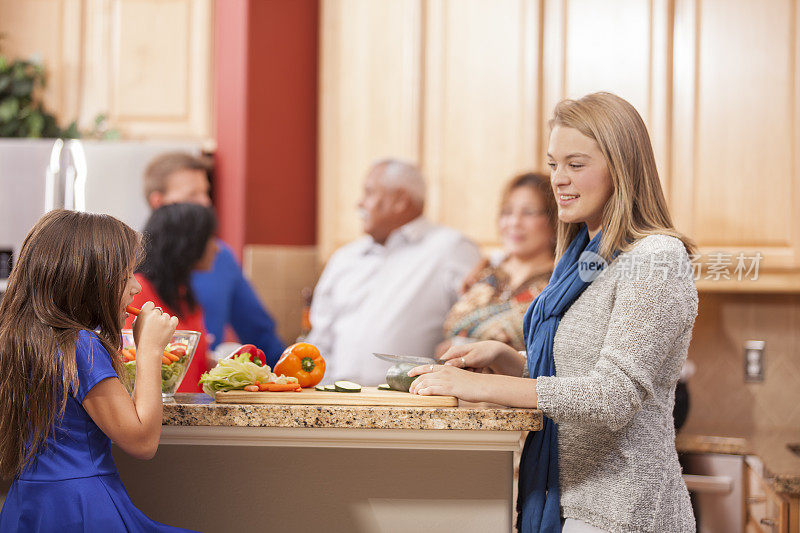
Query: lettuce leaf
{"points": [[236, 373]]}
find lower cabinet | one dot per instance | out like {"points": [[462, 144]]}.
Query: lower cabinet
{"points": [[767, 511]]}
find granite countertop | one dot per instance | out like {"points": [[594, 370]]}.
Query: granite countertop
{"points": [[781, 466], [200, 410]]}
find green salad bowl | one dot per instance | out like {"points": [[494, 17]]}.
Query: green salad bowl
{"points": [[179, 351]]}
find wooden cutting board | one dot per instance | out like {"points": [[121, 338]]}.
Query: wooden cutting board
{"points": [[367, 396]]}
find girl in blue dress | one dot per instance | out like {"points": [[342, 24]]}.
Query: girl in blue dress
{"points": [[61, 401]]}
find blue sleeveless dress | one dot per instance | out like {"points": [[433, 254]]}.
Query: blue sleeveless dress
{"points": [[73, 485]]}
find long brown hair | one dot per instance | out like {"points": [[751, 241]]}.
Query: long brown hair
{"points": [[70, 276], [637, 207]]}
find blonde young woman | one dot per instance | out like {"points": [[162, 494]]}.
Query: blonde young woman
{"points": [[615, 321]]}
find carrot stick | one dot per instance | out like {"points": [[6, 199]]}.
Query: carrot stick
{"points": [[132, 310], [282, 387], [251, 388]]}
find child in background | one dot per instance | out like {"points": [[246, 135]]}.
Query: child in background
{"points": [[179, 240], [61, 401]]}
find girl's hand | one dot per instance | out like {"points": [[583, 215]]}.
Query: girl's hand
{"points": [[446, 380], [491, 355], [153, 329]]}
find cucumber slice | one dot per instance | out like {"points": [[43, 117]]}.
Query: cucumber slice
{"points": [[347, 386], [320, 387], [330, 388], [384, 386]]}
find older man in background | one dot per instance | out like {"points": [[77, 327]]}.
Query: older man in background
{"points": [[225, 296], [390, 290]]}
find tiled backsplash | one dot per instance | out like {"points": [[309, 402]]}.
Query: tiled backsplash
{"points": [[721, 402]]}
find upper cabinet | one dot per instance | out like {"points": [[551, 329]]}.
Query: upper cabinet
{"points": [[480, 95], [146, 64], [470, 85], [48, 31], [736, 135], [621, 47], [369, 102]]}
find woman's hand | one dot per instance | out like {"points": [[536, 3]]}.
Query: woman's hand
{"points": [[492, 355], [446, 380], [153, 329]]}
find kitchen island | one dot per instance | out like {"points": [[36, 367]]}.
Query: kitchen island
{"points": [[333, 468]]}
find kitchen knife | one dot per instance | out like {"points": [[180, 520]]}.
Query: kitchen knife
{"points": [[406, 359]]}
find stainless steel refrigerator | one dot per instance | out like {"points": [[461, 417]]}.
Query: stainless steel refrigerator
{"points": [[93, 176]]}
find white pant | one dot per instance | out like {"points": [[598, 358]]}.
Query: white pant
{"points": [[579, 526]]}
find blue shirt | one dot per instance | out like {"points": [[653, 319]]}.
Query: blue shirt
{"points": [[73, 484], [227, 298], [78, 448]]}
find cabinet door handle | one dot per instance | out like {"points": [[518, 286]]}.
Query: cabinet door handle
{"points": [[767, 522], [755, 499]]}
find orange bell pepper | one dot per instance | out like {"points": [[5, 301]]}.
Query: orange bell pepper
{"points": [[302, 361]]}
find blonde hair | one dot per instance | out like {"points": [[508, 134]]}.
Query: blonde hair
{"points": [[637, 207]]}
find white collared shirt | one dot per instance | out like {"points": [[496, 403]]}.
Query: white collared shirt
{"points": [[390, 298]]}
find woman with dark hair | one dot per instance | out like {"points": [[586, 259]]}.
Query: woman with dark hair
{"points": [[179, 239], [61, 400], [492, 307]]}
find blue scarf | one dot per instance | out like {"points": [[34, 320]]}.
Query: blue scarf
{"points": [[538, 505]]}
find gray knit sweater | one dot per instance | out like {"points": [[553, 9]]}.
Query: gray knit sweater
{"points": [[618, 352]]}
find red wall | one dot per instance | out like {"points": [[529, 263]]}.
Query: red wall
{"points": [[230, 106], [266, 60]]}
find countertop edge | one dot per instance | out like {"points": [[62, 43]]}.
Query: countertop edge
{"points": [[766, 449], [199, 410]]}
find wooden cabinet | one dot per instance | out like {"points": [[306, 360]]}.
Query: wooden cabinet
{"points": [[481, 107], [736, 134], [465, 88], [622, 47], [48, 31], [145, 63], [369, 102], [766, 511], [470, 85]]}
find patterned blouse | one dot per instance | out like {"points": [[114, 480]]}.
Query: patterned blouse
{"points": [[493, 310]]}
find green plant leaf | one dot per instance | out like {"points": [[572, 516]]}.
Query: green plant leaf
{"points": [[10, 129], [72, 131], [21, 112], [22, 87], [35, 123], [8, 109], [51, 128]]}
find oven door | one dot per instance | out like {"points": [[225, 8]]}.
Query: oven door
{"points": [[716, 483]]}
